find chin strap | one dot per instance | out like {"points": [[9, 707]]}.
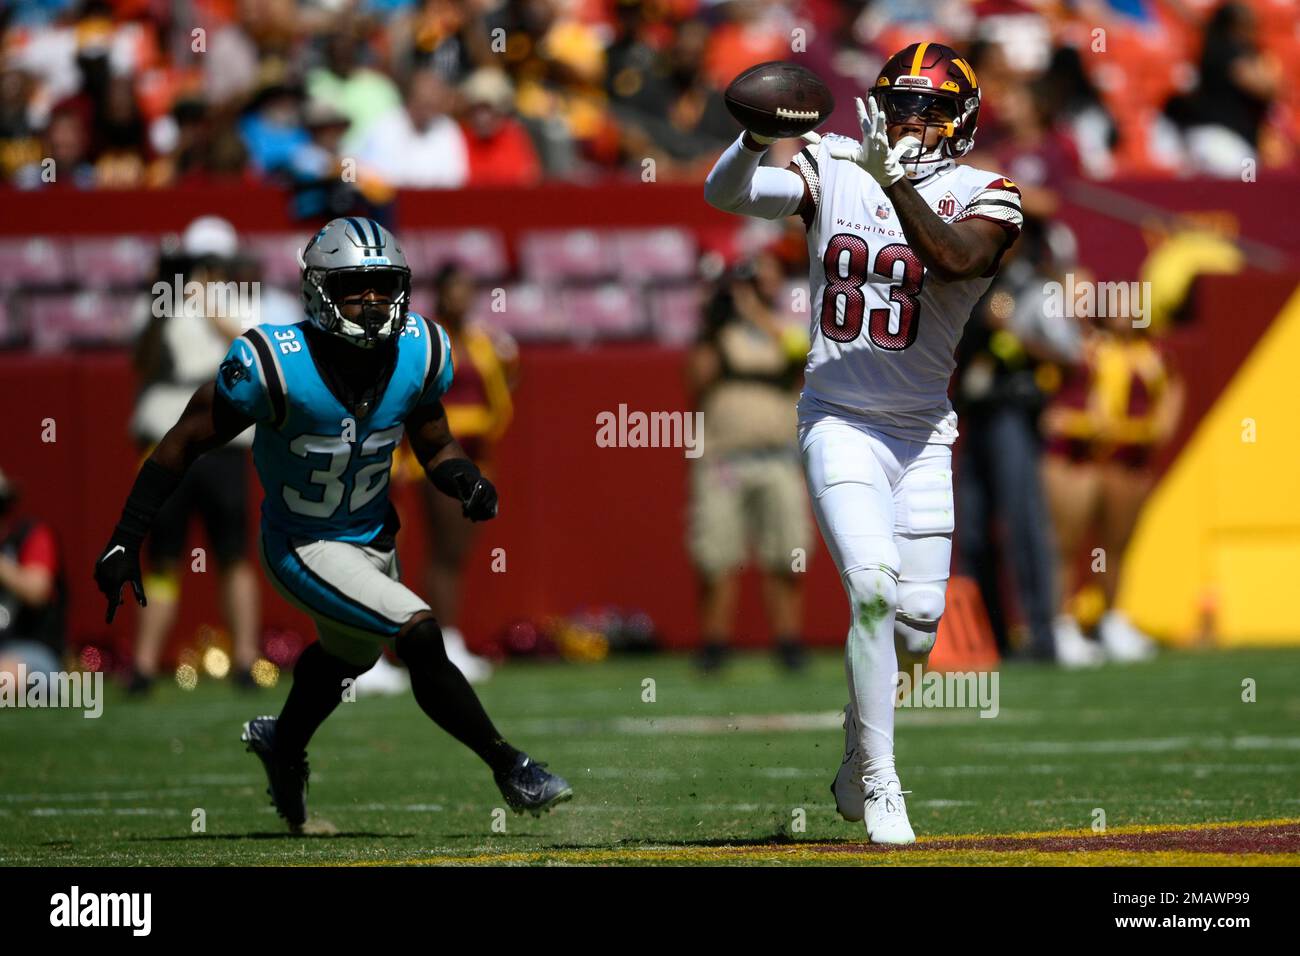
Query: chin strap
{"points": [[927, 168]]}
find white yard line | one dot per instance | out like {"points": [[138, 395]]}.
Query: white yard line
{"points": [[1136, 745]]}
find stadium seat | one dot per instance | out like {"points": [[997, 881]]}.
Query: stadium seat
{"points": [[38, 261], [480, 252], [609, 311], [675, 314], [557, 255], [278, 254], [114, 262], [525, 310], [63, 320], [649, 255]]}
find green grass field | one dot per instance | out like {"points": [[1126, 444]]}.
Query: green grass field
{"points": [[712, 771]]}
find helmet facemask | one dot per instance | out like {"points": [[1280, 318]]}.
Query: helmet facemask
{"points": [[929, 110], [348, 261], [380, 320]]}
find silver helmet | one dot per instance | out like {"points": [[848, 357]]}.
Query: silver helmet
{"points": [[349, 256]]}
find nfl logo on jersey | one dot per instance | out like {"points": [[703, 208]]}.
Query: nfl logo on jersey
{"points": [[882, 211]]}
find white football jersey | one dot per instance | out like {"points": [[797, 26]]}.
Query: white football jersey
{"points": [[884, 329]]}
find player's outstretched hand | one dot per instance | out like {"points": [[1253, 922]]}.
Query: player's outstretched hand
{"points": [[117, 566], [481, 502], [885, 165], [460, 478]]}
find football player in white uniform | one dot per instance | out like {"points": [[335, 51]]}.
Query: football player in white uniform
{"points": [[902, 242]]}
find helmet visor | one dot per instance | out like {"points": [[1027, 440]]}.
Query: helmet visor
{"points": [[930, 108], [358, 284]]}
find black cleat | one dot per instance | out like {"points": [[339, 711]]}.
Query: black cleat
{"points": [[792, 655], [287, 776], [527, 786], [140, 685], [712, 657]]}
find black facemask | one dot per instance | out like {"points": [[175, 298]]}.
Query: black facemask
{"points": [[374, 318], [391, 286]]}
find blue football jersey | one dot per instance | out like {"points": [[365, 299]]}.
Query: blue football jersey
{"points": [[324, 471]]}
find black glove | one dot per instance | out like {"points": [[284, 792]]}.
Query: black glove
{"points": [[119, 565], [460, 478], [120, 562]]}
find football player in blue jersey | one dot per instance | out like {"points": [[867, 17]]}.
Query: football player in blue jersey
{"points": [[330, 399]]}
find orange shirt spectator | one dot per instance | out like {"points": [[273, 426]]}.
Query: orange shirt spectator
{"points": [[501, 153], [735, 47]]}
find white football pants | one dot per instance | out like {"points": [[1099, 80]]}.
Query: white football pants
{"points": [[885, 509]]}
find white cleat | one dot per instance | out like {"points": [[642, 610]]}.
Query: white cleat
{"points": [[1122, 641], [476, 669], [847, 788], [1073, 650], [886, 813]]}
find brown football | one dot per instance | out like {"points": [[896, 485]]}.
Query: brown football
{"points": [[779, 99]]}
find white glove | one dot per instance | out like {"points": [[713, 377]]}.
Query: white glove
{"points": [[874, 154], [811, 138]]}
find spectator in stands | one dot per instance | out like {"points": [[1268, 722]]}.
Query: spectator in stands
{"points": [[498, 147], [1237, 85], [1114, 411], [32, 597], [262, 30], [668, 108], [417, 145], [920, 17], [123, 147], [174, 355], [635, 48], [364, 95], [557, 61], [271, 125], [747, 488], [1033, 151], [316, 167], [446, 36], [179, 138], [584, 99], [19, 143], [65, 158], [1075, 106], [989, 61], [38, 13], [207, 147], [752, 31], [1011, 348]]}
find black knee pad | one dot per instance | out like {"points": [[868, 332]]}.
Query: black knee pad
{"points": [[422, 645]]}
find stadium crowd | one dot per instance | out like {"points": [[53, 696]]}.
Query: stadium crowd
{"points": [[444, 93]]}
